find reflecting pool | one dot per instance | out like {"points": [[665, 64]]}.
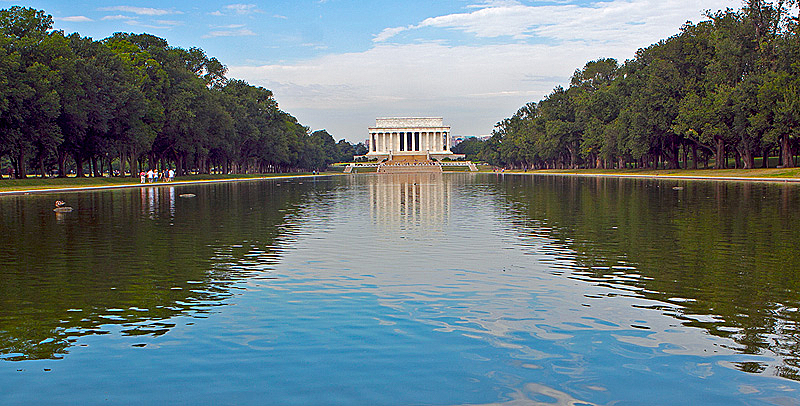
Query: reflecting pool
{"points": [[436, 289]]}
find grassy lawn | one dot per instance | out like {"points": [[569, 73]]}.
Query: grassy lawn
{"points": [[711, 173], [35, 183]]}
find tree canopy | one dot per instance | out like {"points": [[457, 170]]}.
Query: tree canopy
{"points": [[724, 88], [68, 101]]}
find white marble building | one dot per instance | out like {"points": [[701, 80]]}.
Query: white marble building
{"points": [[409, 136]]}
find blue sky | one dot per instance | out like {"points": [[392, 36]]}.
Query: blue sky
{"points": [[338, 64]]}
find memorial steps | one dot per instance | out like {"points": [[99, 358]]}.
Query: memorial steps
{"points": [[409, 163]]}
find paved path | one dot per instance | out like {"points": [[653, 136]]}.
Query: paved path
{"points": [[597, 175], [677, 177], [157, 184]]}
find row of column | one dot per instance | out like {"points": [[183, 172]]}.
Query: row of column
{"points": [[421, 201], [408, 141]]}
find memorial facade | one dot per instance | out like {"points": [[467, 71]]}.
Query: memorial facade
{"points": [[409, 136]]}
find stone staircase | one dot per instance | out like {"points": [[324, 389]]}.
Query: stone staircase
{"points": [[409, 164]]}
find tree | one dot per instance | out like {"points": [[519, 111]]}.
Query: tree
{"points": [[470, 147], [144, 115], [31, 100]]}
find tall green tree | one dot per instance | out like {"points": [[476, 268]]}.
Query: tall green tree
{"points": [[34, 54]]}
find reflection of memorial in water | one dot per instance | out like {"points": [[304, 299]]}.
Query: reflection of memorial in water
{"points": [[409, 200]]}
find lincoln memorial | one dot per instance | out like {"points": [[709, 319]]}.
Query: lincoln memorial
{"points": [[399, 136]]}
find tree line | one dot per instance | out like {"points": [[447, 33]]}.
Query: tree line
{"points": [[131, 102], [723, 92]]}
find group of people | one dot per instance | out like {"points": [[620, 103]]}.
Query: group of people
{"points": [[155, 176]]}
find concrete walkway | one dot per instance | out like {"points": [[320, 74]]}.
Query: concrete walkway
{"points": [[676, 177], [139, 185]]}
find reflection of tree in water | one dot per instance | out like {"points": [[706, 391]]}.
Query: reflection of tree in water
{"points": [[134, 258], [718, 256]]}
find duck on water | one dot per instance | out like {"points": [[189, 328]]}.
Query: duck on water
{"points": [[61, 207]]}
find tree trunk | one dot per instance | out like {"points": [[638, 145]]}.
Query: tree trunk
{"points": [[719, 154], [179, 165], [573, 157], [93, 166], [749, 159], [122, 164], [786, 152], [694, 156], [134, 165], [737, 159], [672, 155], [765, 158], [21, 170], [61, 158], [78, 165], [685, 150]]}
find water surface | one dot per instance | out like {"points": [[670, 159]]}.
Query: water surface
{"points": [[431, 289]]}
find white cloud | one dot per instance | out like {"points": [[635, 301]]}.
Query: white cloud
{"points": [[597, 22], [76, 19], [237, 9], [140, 10], [116, 17], [170, 23], [472, 86], [390, 32], [243, 8], [242, 32]]}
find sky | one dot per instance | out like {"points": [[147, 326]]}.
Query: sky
{"points": [[339, 64]]}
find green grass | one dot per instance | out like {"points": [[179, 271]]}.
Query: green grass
{"points": [[35, 183], [362, 169], [710, 173]]}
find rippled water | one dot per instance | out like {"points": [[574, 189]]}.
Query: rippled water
{"points": [[431, 289]]}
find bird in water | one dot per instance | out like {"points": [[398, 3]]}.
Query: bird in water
{"points": [[61, 207]]}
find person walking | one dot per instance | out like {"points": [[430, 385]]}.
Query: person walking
{"points": [[141, 176], [150, 176]]}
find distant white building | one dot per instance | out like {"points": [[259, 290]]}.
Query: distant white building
{"points": [[409, 136]]}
